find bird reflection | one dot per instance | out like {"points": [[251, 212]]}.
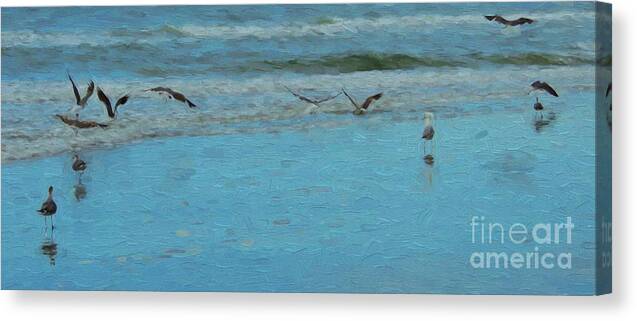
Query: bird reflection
{"points": [[542, 123], [79, 190], [50, 249], [428, 172]]}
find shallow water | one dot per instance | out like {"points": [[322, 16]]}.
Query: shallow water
{"points": [[254, 191], [352, 208]]}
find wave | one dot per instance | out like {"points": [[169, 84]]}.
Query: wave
{"points": [[324, 26], [536, 59], [380, 61], [262, 104]]}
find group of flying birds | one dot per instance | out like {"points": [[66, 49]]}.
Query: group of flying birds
{"points": [[111, 111]]}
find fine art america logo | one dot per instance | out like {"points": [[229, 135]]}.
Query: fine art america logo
{"points": [[543, 239]]}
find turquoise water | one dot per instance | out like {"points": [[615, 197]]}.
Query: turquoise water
{"points": [[256, 192]]}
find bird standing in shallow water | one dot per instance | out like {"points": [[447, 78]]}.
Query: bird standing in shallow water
{"points": [[79, 165], [428, 135], [538, 107], [49, 207]]}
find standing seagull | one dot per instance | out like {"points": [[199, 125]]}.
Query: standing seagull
{"points": [[171, 94], [49, 207], [315, 102], [538, 107], [361, 109], [80, 102], [78, 164], [512, 23], [428, 135], [111, 111]]}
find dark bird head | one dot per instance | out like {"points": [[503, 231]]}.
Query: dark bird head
{"points": [[50, 189]]}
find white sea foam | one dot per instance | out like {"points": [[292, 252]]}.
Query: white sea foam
{"points": [[259, 104]]}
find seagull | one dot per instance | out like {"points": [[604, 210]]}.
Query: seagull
{"points": [[315, 102], [78, 164], [173, 95], [111, 111], [79, 124], [49, 207], [512, 23], [542, 86], [428, 133], [80, 102], [361, 109]]}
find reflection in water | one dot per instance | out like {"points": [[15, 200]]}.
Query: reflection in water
{"points": [[50, 249], [79, 190], [429, 159], [543, 122], [428, 171], [512, 167]]}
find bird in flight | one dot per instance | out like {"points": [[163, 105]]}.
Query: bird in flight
{"points": [[76, 124], [512, 23], [316, 102], [361, 109], [171, 94], [542, 86], [111, 111], [80, 102]]}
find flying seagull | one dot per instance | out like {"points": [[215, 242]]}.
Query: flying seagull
{"points": [[512, 23], [315, 102], [111, 111], [360, 109], [80, 102], [79, 124], [49, 207], [171, 94], [542, 86]]}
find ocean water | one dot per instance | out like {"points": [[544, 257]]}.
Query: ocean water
{"points": [[258, 191]]}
